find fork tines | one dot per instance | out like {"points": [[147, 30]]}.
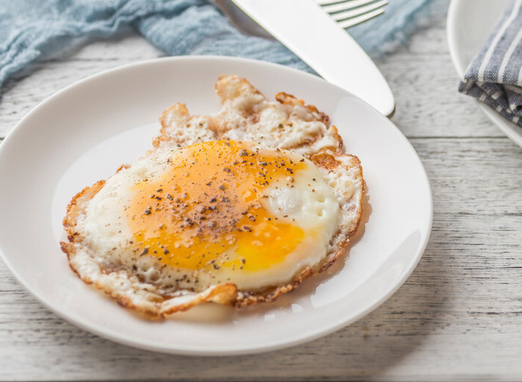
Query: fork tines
{"points": [[348, 13]]}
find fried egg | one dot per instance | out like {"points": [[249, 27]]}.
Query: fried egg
{"points": [[235, 208]]}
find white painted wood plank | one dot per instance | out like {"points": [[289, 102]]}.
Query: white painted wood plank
{"points": [[424, 82]]}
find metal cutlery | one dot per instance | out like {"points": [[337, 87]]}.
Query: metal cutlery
{"points": [[348, 13], [313, 30]]}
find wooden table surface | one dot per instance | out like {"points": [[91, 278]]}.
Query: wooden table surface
{"points": [[459, 315]]}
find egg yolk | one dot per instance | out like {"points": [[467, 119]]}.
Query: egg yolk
{"points": [[206, 210]]}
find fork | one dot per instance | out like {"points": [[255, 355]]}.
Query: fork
{"points": [[348, 13]]}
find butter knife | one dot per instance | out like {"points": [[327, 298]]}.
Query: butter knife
{"points": [[316, 38]]}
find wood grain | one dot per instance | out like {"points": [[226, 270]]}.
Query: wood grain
{"points": [[459, 316]]}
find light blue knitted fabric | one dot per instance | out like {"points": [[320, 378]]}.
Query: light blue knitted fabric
{"points": [[33, 29]]}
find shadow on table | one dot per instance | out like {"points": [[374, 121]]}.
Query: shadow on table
{"points": [[367, 348]]}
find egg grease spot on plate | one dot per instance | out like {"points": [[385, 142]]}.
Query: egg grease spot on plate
{"points": [[206, 314]]}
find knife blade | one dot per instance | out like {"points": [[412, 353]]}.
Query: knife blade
{"points": [[308, 31]]}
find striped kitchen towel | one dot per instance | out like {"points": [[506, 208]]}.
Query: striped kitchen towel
{"points": [[495, 74]]}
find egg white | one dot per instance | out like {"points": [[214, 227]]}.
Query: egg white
{"points": [[328, 211], [308, 204]]}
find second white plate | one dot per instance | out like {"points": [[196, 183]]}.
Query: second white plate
{"points": [[470, 23], [83, 134]]}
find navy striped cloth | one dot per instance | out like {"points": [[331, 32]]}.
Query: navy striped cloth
{"points": [[495, 74]]}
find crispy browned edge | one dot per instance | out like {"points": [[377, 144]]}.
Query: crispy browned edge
{"points": [[69, 222], [224, 294], [271, 295], [324, 159], [164, 136]]}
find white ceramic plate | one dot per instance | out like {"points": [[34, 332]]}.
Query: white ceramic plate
{"points": [[470, 23], [83, 133]]}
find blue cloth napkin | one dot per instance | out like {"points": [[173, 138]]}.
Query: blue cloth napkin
{"points": [[495, 74], [35, 29]]}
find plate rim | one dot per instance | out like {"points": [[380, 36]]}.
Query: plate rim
{"points": [[105, 333], [513, 131]]}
